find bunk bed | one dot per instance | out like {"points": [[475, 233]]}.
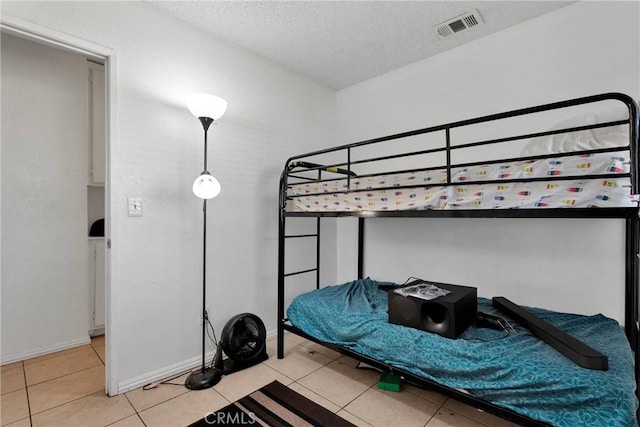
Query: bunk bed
{"points": [[586, 166]]}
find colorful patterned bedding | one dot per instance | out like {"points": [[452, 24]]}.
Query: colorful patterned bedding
{"points": [[519, 371], [432, 193]]}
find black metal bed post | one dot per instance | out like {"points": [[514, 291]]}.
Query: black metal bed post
{"points": [[447, 135], [318, 242], [281, 227], [634, 145], [282, 205], [360, 222], [631, 291], [360, 247], [318, 253]]}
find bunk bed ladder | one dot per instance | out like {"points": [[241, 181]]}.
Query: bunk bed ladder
{"points": [[315, 269], [282, 274]]}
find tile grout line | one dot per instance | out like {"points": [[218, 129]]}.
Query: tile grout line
{"points": [[340, 408], [65, 403], [436, 412], [135, 409], [294, 381], [305, 375], [420, 397], [26, 390], [482, 423], [27, 386], [54, 355], [164, 401], [62, 376], [355, 398], [343, 408], [65, 375], [170, 399], [97, 354]]}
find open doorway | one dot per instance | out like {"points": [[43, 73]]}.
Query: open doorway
{"points": [[55, 208]]}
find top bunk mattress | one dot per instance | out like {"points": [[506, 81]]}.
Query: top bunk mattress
{"points": [[525, 186], [518, 371]]}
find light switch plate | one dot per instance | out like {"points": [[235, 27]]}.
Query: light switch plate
{"points": [[134, 206]]}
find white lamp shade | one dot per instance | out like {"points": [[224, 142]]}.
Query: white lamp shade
{"points": [[205, 105], [206, 186]]}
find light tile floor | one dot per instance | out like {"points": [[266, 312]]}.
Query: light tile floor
{"points": [[66, 389]]}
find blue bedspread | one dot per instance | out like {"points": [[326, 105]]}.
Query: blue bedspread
{"points": [[519, 371]]}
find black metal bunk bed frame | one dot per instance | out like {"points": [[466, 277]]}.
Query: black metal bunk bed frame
{"points": [[294, 166]]}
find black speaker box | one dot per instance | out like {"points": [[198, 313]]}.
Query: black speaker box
{"points": [[447, 315]]}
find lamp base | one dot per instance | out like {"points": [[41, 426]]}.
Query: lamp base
{"points": [[200, 380]]}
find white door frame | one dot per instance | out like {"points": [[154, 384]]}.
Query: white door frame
{"points": [[29, 30]]}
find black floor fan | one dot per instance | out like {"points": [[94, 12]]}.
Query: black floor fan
{"points": [[243, 340]]}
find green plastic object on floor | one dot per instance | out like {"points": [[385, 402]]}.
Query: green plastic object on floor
{"points": [[390, 382]]}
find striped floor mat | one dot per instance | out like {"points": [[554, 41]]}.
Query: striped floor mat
{"points": [[274, 405]]}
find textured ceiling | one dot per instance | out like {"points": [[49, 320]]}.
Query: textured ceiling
{"points": [[341, 43]]}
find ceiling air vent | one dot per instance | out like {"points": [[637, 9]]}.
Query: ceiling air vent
{"points": [[459, 23]]}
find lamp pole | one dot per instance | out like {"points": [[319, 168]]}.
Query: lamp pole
{"points": [[206, 122], [206, 108]]}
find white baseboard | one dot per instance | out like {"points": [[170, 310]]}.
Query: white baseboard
{"points": [[45, 350], [169, 371], [163, 373], [96, 332], [272, 334]]}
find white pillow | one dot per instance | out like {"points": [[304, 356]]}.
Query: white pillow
{"points": [[606, 137]]}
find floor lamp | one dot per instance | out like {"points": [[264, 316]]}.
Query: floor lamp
{"points": [[207, 108]]}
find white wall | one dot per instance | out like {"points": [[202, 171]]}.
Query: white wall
{"points": [[45, 294], [583, 49], [157, 153]]}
